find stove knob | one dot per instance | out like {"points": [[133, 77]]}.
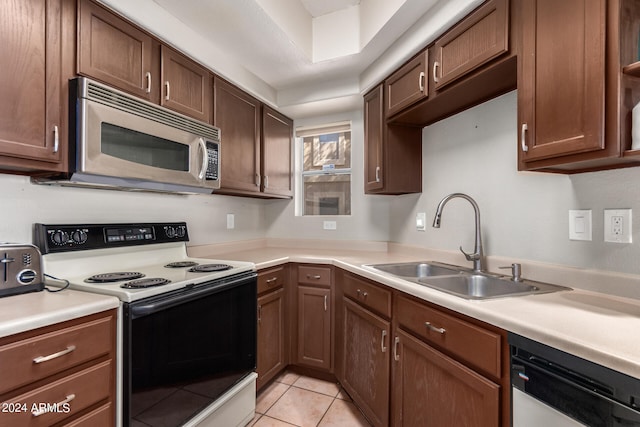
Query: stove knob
{"points": [[180, 232], [60, 237], [79, 236], [170, 231]]}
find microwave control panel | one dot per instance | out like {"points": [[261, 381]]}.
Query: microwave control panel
{"points": [[213, 166]]}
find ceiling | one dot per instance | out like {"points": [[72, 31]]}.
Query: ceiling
{"points": [[307, 57]]}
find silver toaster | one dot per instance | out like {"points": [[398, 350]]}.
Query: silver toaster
{"points": [[20, 269]]}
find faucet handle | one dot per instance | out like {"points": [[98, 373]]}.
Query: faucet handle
{"points": [[516, 271], [470, 257]]}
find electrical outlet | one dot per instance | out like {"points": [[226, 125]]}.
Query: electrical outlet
{"points": [[329, 225], [617, 225], [231, 221]]}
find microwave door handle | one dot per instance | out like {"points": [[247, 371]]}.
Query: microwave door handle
{"points": [[205, 159]]}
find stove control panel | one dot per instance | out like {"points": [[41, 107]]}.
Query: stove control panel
{"points": [[72, 237]]}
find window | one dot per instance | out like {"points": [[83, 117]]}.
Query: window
{"points": [[326, 169]]}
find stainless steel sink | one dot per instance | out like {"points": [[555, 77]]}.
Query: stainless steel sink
{"points": [[464, 282], [417, 269]]}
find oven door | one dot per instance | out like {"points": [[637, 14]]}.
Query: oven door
{"points": [[184, 349]]}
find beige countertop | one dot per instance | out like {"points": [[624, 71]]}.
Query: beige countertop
{"points": [[19, 313], [595, 326]]}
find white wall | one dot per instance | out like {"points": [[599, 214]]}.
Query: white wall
{"points": [[24, 204], [524, 215]]}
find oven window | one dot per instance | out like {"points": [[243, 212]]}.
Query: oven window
{"points": [[184, 357], [144, 149]]}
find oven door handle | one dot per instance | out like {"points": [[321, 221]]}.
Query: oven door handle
{"points": [[162, 302]]}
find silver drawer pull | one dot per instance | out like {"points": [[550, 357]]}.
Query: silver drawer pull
{"points": [[396, 356], [435, 328], [270, 281], [383, 347], [314, 277], [39, 412], [325, 303], [41, 359]]}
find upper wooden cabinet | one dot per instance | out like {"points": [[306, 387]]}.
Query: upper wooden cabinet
{"points": [[36, 57], [407, 85], [277, 135], [393, 154], [574, 103], [186, 85], [238, 116], [472, 62], [477, 39], [117, 53]]}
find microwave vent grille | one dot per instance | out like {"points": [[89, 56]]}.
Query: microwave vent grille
{"points": [[116, 99]]}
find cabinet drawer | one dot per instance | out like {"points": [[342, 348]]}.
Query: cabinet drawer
{"points": [[32, 359], [271, 278], [368, 294], [65, 397], [314, 275], [103, 416], [470, 343]]}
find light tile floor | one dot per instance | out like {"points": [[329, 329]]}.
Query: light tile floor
{"points": [[294, 400]]}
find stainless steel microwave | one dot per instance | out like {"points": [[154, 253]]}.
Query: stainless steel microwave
{"points": [[122, 142]]}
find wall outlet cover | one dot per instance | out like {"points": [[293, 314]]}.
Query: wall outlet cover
{"points": [[421, 221], [329, 225], [617, 225]]}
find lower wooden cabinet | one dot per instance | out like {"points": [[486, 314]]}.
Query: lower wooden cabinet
{"points": [[365, 361], [432, 389], [273, 340], [64, 373], [314, 327]]}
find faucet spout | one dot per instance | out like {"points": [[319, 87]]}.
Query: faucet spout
{"points": [[477, 256]]}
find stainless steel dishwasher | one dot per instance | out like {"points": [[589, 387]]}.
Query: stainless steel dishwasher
{"points": [[552, 388]]}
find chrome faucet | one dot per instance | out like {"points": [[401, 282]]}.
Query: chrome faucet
{"points": [[477, 256]]}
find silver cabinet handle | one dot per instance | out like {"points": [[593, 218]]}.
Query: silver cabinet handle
{"points": [[435, 72], [168, 89], [270, 281], [56, 139], [396, 356], [383, 338], [257, 180], [435, 328], [205, 159], [523, 135], [325, 303], [67, 350], [147, 75], [266, 181], [362, 293], [421, 81], [68, 399], [377, 173], [314, 277], [259, 313]]}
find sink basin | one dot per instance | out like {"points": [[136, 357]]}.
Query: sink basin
{"points": [[479, 286], [463, 282], [417, 269]]}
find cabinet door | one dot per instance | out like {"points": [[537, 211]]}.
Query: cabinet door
{"points": [[186, 85], [238, 117], [480, 37], [432, 390], [31, 110], [407, 85], [561, 85], [373, 139], [366, 361], [314, 327], [115, 52], [271, 336], [277, 135]]}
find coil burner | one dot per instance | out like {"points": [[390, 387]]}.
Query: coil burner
{"points": [[114, 277], [145, 283], [209, 268]]}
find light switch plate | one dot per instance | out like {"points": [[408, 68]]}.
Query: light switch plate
{"points": [[617, 225], [329, 225], [580, 224], [231, 221], [421, 221]]}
